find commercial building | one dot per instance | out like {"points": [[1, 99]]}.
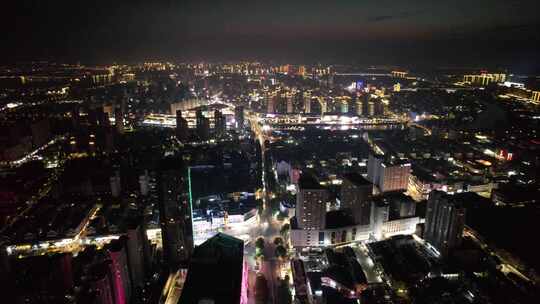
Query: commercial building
{"points": [[381, 216], [388, 174], [354, 233], [235, 215], [445, 219], [484, 78], [311, 201], [355, 194]]}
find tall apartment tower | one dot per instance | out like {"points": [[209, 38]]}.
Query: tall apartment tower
{"points": [[119, 112], [307, 102], [445, 219], [311, 202], [271, 99], [116, 184], [175, 213], [220, 125], [373, 168], [239, 117], [355, 194], [359, 106]]}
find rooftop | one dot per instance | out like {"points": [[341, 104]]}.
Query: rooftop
{"points": [[215, 271], [357, 179], [308, 181]]}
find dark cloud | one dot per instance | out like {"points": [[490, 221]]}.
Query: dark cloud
{"points": [[398, 16], [381, 18], [304, 30]]}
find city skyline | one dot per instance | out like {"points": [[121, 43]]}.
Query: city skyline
{"points": [[269, 152]]}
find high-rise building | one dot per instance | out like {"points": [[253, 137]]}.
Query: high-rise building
{"points": [[239, 117], [116, 184], [388, 174], [359, 107], [307, 102], [373, 168], [41, 133], [371, 108], [365, 104], [484, 78], [136, 237], [76, 117], [217, 272], [5, 266], [401, 205], [271, 99], [289, 99], [119, 270], [344, 107], [281, 103], [175, 213], [324, 105], [182, 132], [119, 111], [101, 118], [100, 284], [355, 194], [92, 116], [380, 214], [399, 74], [315, 106], [302, 70], [311, 202], [535, 96], [203, 125], [220, 125], [379, 108], [144, 183], [445, 220]]}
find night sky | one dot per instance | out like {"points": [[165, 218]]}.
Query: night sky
{"points": [[457, 32]]}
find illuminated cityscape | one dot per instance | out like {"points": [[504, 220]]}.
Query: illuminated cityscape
{"points": [[270, 153]]}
